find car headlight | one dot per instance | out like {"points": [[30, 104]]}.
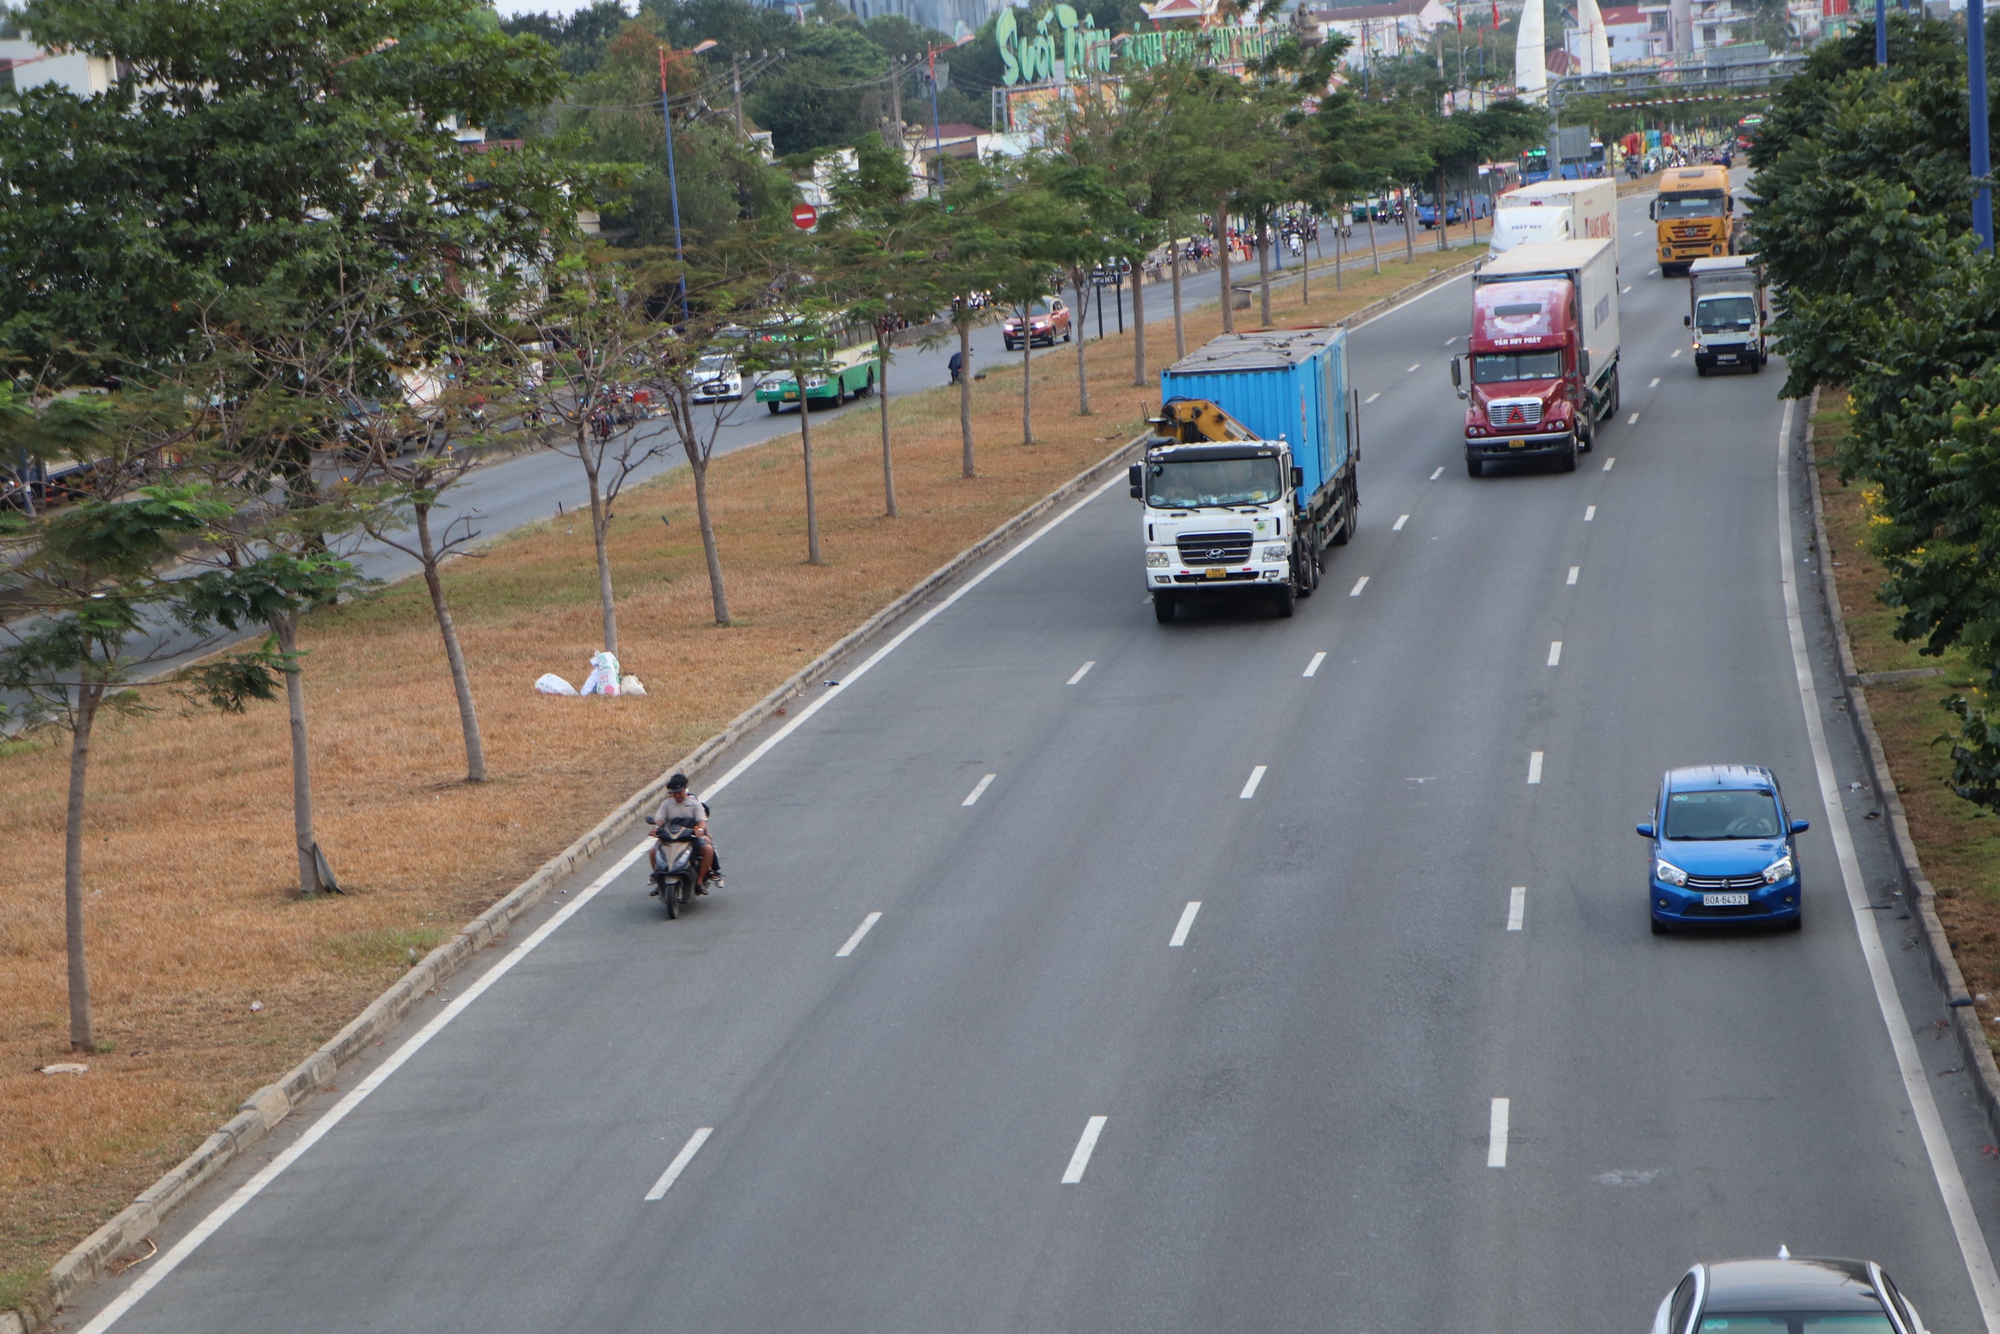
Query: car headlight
{"points": [[1668, 872], [1274, 553], [1159, 560], [1778, 870]]}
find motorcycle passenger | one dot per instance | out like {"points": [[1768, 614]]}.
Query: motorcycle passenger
{"points": [[685, 806]]}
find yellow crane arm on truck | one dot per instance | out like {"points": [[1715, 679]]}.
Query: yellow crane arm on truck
{"points": [[1192, 421]]}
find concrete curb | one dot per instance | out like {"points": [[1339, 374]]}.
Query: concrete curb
{"points": [[1917, 890], [271, 1104]]}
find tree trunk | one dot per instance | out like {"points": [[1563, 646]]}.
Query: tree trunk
{"points": [[882, 392], [965, 394], [1339, 283], [1374, 242], [1076, 339], [1409, 225], [81, 1037], [1222, 249], [716, 593], [1263, 272], [287, 629], [1138, 325], [806, 444], [600, 533], [1180, 331], [1443, 241], [1305, 272], [468, 717], [1027, 383]]}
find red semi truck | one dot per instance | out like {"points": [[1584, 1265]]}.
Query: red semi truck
{"points": [[1543, 353]]}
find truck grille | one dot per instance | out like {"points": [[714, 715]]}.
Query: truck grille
{"points": [[1214, 548], [1712, 883], [1515, 412]]}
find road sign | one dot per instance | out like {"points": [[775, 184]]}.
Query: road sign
{"points": [[804, 216]]}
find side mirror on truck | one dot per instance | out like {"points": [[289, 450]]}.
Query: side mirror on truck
{"points": [[1583, 362], [1134, 475], [1457, 380], [1298, 477], [1687, 321]]}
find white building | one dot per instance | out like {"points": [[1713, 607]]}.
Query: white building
{"points": [[1626, 27], [1383, 31], [24, 65]]}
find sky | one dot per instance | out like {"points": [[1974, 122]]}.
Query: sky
{"points": [[511, 7]]}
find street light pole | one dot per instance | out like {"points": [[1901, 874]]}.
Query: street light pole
{"points": [[673, 182], [1982, 166], [1881, 33]]}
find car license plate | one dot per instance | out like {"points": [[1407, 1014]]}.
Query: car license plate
{"points": [[1725, 900], [1216, 574], [1517, 444]]}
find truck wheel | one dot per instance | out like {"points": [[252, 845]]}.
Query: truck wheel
{"points": [[1282, 604], [1700, 369], [1617, 393], [1475, 467], [1569, 456], [1348, 519], [1163, 608]]}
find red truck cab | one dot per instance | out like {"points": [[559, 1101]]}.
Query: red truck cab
{"points": [[1527, 393]]}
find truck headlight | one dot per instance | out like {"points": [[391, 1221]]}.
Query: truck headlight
{"points": [[1159, 560], [1778, 870], [1274, 553], [1666, 871]]}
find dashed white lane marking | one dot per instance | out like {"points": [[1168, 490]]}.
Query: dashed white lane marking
{"points": [[1496, 1134], [1439, 473], [1623, 290], [1574, 570], [1083, 671], [1312, 668], [1413, 366], [1397, 526], [1371, 398], [1655, 384], [1534, 766], [1614, 458], [1084, 1147], [1359, 584], [867, 924], [1256, 777], [1185, 925], [680, 1162], [1677, 353], [1555, 652], [1589, 513], [978, 788], [1638, 233], [1651, 272], [1517, 907], [1632, 420]]}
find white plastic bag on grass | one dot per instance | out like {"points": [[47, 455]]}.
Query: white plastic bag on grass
{"points": [[551, 684], [629, 685], [603, 679]]}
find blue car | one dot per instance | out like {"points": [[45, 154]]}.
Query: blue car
{"points": [[1724, 850]]}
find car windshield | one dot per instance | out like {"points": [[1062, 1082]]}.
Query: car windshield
{"points": [[1197, 482], [1724, 314], [1506, 367], [1797, 1322], [1688, 206], [716, 366], [1740, 813]]}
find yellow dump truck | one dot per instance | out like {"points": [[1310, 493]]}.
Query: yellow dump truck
{"points": [[1694, 217]]}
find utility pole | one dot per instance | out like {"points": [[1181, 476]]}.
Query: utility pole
{"points": [[1982, 166], [896, 103], [736, 85], [937, 134], [1881, 33]]}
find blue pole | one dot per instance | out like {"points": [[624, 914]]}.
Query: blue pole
{"points": [[1881, 33], [1982, 166], [673, 184]]}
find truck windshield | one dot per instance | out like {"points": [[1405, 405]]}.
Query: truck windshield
{"points": [[1506, 367], [1193, 483], [1687, 206], [1725, 314]]}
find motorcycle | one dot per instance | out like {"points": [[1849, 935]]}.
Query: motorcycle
{"points": [[674, 865]]}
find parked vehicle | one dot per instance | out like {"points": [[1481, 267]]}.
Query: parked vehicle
{"points": [[1729, 308], [1723, 850], [1693, 217], [1543, 353], [1046, 322], [1250, 473], [716, 378], [1556, 211]]}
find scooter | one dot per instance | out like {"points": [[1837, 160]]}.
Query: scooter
{"points": [[674, 865]]}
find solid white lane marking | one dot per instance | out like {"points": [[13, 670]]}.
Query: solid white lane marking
{"points": [[1614, 458], [1371, 398], [1496, 1134], [1312, 668], [1574, 570], [680, 1162], [177, 1255], [1589, 513], [867, 924], [1555, 651], [1084, 1147], [1534, 766], [1397, 526], [1359, 584], [1185, 925], [1082, 671], [1256, 777], [1677, 352], [1655, 384], [978, 788], [1517, 907], [1632, 420], [1439, 473], [1944, 1166]]}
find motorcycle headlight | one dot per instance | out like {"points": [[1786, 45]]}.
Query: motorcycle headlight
{"points": [[1274, 553], [1778, 870], [1668, 872], [1159, 560]]}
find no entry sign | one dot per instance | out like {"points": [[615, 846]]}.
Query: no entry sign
{"points": [[804, 216]]}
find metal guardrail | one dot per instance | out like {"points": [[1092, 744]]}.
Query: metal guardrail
{"points": [[1684, 81]]}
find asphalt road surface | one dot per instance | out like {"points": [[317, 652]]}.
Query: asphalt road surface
{"points": [[1041, 1091]]}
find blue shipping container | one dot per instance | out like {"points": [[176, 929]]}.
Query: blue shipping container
{"points": [[1278, 382]]}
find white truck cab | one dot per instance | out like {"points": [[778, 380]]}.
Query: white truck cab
{"points": [[1729, 309]]}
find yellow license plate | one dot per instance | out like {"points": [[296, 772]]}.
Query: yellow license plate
{"points": [[1517, 444], [1217, 574]]}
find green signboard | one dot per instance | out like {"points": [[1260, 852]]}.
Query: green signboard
{"points": [[1029, 57]]}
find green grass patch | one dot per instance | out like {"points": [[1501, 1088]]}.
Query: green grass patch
{"points": [[15, 1284], [386, 948]]}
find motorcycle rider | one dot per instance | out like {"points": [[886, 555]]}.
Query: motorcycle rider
{"points": [[682, 804]]}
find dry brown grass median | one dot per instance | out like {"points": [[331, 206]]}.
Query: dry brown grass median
{"points": [[192, 918]]}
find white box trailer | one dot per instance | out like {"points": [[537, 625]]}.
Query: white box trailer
{"points": [[1556, 211]]}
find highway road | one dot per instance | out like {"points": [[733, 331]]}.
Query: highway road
{"points": [[1044, 1091]]}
